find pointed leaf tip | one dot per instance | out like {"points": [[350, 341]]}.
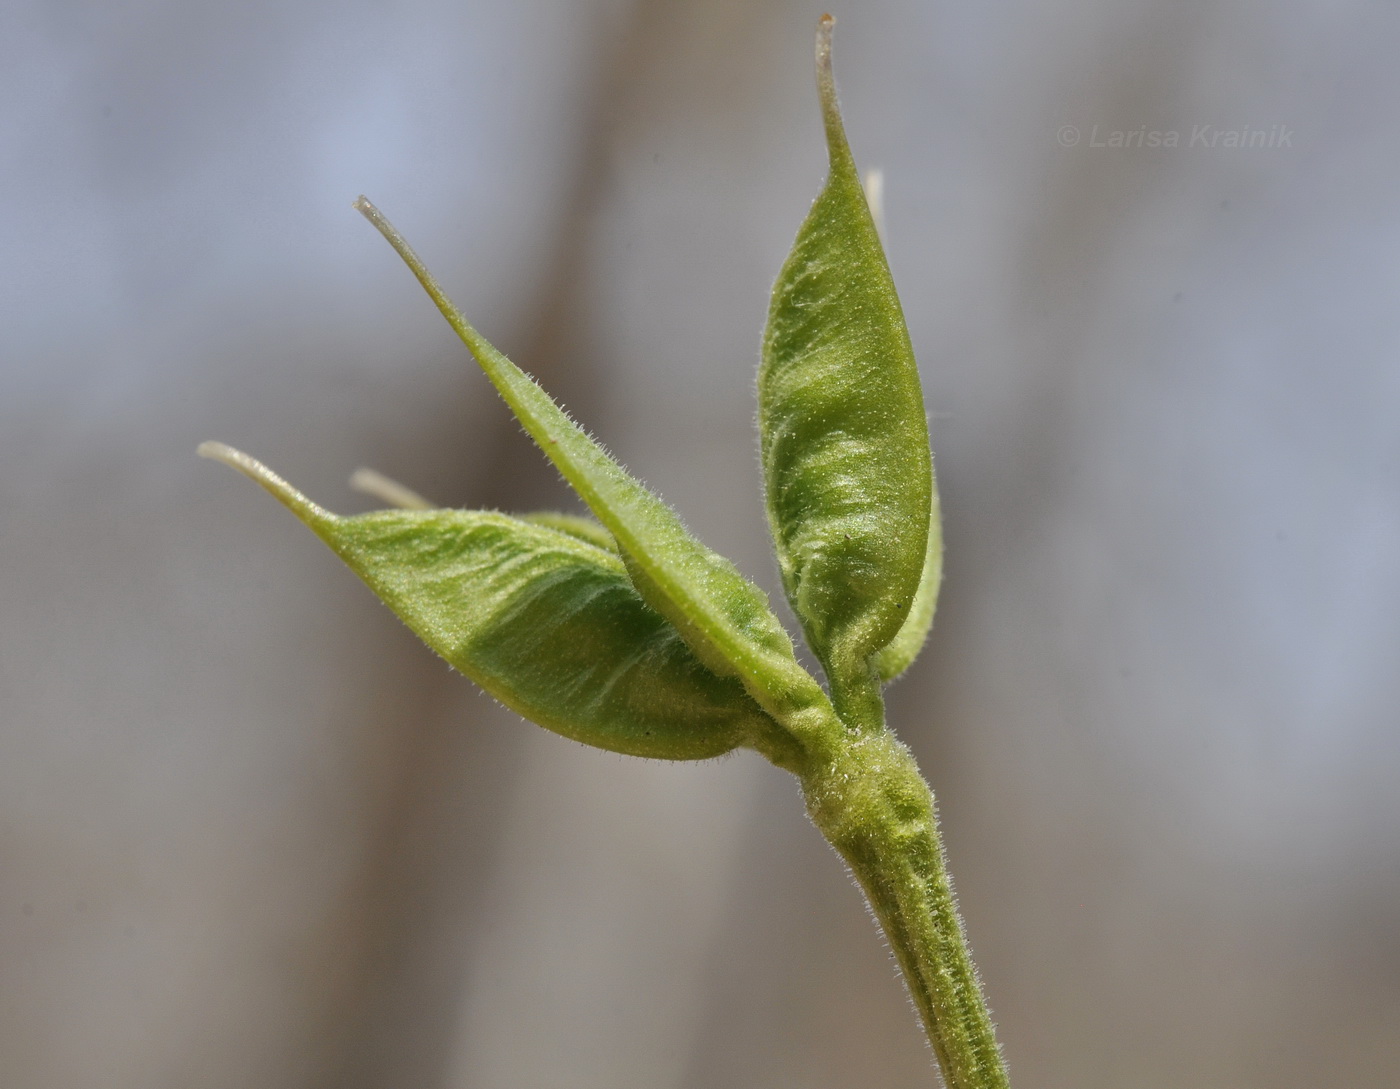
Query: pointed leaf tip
{"points": [[309, 512], [837, 147], [825, 25]]}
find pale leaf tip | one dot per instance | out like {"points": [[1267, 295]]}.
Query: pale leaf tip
{"points": [[824, 27], [381, 223], [388, 490], [826, 91], [255, 470], [365, 207], [874, 185]]}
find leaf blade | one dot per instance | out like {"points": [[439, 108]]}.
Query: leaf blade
{"points": [[543, 620], [843, 434], [568, 643], [723, 617]]}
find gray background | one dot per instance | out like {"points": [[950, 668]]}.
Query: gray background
{"points": [[251, 833]]}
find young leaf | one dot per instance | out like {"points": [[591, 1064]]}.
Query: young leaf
{"points": [[546, 622], [723, 617], [843, 436]]}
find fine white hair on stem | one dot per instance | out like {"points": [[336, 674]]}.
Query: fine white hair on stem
{"points": [[375, 484]]}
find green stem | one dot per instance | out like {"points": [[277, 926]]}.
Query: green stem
{"points": [[874, 807]]}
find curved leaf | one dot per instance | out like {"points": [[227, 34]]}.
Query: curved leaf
{"points": [[723, 617], [844, 439], [546, 622]]}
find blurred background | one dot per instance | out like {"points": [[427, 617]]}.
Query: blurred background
{"points": [[252, 833]]}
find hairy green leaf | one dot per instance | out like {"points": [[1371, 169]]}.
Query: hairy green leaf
{"points": [[545, 621], [844, 439], [723, 617]]}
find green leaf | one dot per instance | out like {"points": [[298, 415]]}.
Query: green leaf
{"points": [[543, 620], [844, 439], [722, 616]]}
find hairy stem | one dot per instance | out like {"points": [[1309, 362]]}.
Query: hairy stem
{"points": [[874, 807]]}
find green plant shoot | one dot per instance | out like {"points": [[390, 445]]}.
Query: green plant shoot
{"points": [[842, 429], [629, 634]]}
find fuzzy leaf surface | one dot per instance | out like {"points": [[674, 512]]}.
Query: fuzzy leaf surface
{"points": [[723, 617], [543, 620], [844, 439]]}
